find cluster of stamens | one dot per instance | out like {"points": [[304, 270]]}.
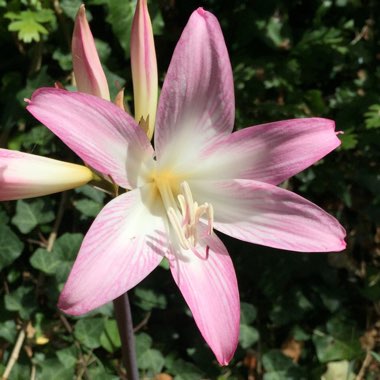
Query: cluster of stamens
{"points": [[185, 219]]}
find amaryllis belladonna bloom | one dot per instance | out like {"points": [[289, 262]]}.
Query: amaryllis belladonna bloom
{"points": [[199, 177]]}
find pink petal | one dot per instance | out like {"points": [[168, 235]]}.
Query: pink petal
{"points": [[124, 244], [100, 133], [268, 215], [269, 152], [89, 75], [144, 67], [208, 283], [24, 175], [197, 97]]}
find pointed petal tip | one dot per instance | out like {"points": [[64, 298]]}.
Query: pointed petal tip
{"points": [[224, 360], [81, 12]]}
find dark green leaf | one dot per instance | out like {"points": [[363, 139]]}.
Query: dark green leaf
{"points": [[30, 214], [88, 331], [110, 338], [148, 299], [151, 360], [10, 246], [248, 336]]}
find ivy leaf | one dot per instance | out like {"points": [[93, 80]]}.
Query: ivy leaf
{"points": [[11, 246], [88, 331], [88, 208], [151, 360], [60, 259], [183, 370], [66, 248], [248, 336], [149, 299], [110, 338], [8, 331], [53, 369], [120, 16], [68, 356], [45, 261], [28, 24], [247, 313], [142, 342], [91, 193], [280, 367], [329, 349], [30, 214], [21, 300]]}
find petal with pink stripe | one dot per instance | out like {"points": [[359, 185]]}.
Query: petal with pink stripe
{"points": [[207, 280], [124, 244], [100, 133], [270, 152], [261, 213], [197, 98]]}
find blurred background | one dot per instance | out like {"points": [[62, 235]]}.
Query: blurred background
{"points": [[304, 316]]}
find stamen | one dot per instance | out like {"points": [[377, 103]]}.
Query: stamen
{"points": [[191, 214], [173, 218], [184, 214]]}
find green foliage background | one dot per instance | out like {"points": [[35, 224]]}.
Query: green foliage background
{"points": [[303, 315]]}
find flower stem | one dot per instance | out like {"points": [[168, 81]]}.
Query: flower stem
{"points": [[125, 324]]}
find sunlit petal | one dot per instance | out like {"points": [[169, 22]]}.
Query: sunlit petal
{"points": [[99, 132], [265, 214], [124, 244], [270, 152], [197, 98], [207, 280]]}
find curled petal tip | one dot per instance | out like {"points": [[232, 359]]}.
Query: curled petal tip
{"points": [[201, 11], [26, 100]]}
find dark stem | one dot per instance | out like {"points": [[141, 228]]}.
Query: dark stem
{"points": [[125, 324]]}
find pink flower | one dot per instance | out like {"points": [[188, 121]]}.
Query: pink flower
{"points": [[199, 177]]}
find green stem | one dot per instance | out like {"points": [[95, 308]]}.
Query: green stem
{"points": [[125, 324]]}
